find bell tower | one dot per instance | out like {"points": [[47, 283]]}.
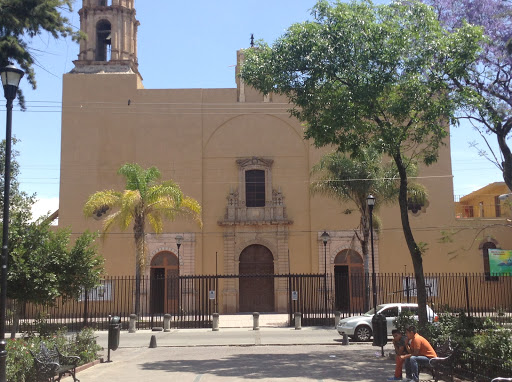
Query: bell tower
{"points": [[111, 44]]}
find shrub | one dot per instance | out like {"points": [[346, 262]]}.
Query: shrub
{"points": [[494, 341], [456, 326], [404, 320], [20, 364], [84, 345]]}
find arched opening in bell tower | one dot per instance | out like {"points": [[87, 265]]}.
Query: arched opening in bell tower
{"points": [[103, 40]]}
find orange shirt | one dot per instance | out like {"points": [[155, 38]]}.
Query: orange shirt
{"points": [[425, 349]]}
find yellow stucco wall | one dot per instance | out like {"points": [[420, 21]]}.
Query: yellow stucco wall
{"points": [[485, 202], [195, 137]]}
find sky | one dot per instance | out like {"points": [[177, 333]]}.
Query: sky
{"points": [[181, 44]]}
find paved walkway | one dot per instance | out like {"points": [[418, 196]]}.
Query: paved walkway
{"points": [[239, 354]]}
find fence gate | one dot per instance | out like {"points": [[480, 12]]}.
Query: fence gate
{"points": [[307, 296]]}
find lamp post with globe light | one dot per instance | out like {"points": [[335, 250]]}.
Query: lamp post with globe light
{"points": [[325, 238], [371, 202], [11, 77]]}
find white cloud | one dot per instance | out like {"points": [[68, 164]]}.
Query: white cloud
{"points": [[44, 206]]}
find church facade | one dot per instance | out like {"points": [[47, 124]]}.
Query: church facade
{"points": [[244, 159]]}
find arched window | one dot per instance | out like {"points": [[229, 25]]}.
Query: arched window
{"points": [[103, 40]]}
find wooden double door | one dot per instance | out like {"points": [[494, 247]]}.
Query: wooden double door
{"points": [[165, 286], [256, 294], [349, 282]]}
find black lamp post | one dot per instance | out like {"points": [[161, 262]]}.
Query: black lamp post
{"points": [[178, 239], [325, 238], [11, 77], [371, 202]]}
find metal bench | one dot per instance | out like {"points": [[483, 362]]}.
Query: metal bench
{"points": [[442, 365], [51, 365]]}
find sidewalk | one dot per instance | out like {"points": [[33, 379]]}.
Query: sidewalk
{"points": [[229, 337], [239, 354]]}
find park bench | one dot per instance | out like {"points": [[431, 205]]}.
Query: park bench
{"points": [[51, 365], [441, 367]]}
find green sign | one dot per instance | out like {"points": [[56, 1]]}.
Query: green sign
{"points": [[500, 262]]}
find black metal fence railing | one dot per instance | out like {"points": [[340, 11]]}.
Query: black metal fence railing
{"points": [[481, 368], [191, 300]]}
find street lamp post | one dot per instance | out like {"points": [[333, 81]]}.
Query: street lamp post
{"points": [[178, 239], [11, 77], [325, 238], [371, 202]]}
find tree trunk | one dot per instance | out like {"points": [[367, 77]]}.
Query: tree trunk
{"points": [[137, 291], [414, 250], [16, 318], [507, 160], [138, 230]]}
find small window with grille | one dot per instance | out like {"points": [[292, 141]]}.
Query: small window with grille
{"points": [[255, 188]]}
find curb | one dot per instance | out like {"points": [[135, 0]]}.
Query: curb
{"points": [[87, 365]]}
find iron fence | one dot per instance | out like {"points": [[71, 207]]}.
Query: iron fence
{"points": [[481, 368], [191, 300]]}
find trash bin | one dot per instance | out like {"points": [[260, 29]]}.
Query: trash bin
{"points": [[114, 332], [380, 330]]}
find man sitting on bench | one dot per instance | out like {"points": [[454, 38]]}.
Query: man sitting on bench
{"points": [[419, 352]]}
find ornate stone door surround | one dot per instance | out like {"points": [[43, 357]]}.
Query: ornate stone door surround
{"points": [[244, 226], [340, 240]]}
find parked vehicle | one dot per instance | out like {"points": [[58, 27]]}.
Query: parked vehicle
{"points": [[359, 328]]}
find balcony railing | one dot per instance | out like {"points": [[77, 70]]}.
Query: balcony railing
{"points": [[481, 210]]}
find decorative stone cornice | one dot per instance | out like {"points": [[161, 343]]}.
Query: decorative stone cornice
{"points": [[238, 214], [254, 161]]}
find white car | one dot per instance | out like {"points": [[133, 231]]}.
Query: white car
{"points": [[359, 328]]}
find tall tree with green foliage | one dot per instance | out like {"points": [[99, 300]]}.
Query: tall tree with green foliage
{"points": [[21, 21], [44, 264], [361, 75], [346, 178], [19, 201], [144, 201], [489, 81]]}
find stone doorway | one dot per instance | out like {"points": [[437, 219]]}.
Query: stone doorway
{"points": [[256, 294], [349, 281], [164, 283]]}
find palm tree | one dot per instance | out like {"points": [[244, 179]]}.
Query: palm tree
{"points": [[143, 201], [354, 178]]}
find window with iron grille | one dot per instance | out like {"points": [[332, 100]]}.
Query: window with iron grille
{"points": [[497, 206], [468, 212], [255, 188]]}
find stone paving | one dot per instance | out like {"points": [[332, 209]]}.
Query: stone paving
{"points": [[239, 354]]}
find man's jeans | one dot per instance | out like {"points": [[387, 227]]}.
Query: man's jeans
{"points": [[411, 366]]}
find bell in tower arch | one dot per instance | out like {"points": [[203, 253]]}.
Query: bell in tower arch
{"points": [[104, 40], [111, 28]]}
